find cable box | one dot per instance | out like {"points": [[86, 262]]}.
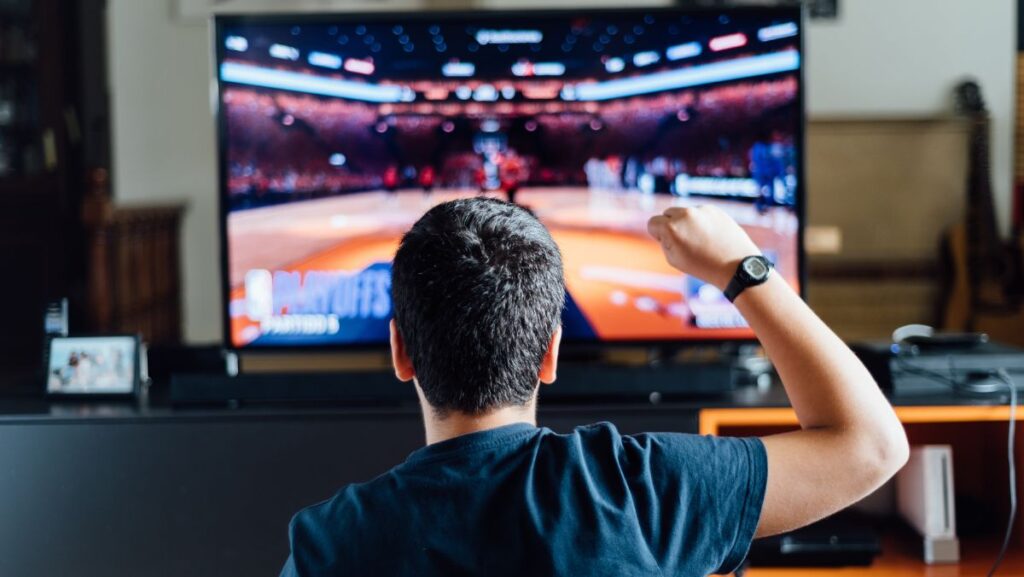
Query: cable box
{"points": [[904, 370]]}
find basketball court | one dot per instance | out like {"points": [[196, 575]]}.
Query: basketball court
{"points": [[615, 272]]}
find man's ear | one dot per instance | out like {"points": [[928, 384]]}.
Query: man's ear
{"points": [[549, 366], [399, 358]]}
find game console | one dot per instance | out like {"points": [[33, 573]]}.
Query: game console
{"points": [[926, 500], [845, 539], [922, 369]]}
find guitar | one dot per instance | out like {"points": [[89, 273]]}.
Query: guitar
{"points": [[979, 295]]}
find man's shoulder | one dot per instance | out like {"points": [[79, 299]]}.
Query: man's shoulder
{"points": [[350, 504], [600, 434], [657, 450], [336, 532], [356, 502]]}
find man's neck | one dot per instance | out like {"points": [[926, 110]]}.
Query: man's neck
{"points": [[457, 424]]}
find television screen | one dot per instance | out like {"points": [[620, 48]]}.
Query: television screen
{"points": [[338, 132]]}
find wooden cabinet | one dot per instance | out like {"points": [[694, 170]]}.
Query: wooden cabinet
{"points": [[40, 234], [134, 280], [978, 435]]}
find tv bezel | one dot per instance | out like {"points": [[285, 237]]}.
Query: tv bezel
{"points": [[795, 11]]}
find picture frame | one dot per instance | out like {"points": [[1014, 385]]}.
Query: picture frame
{"points": [[108, 366]]}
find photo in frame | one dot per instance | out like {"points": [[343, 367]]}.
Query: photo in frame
{"points": [[108, 366]]}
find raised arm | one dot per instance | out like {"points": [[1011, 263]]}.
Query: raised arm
{"points": [[850, 440]]}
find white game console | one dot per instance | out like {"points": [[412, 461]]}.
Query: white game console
{"points": [[925, 495]]}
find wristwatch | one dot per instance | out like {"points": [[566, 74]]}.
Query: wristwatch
{"points": [[753, 270]]}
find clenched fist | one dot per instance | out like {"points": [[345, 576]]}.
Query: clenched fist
{"points": [[702, 241]]}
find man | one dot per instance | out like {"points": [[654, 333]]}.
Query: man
{"points": [[765, 169], [427, 177], [478, 292], [511, 174]]}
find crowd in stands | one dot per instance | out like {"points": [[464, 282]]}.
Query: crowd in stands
{"points": [[283, 145]]}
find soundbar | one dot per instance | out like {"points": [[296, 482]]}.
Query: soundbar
{"points": [[575, 382], [596, 380]]}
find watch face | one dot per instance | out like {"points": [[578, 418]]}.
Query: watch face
{"points": [[755, 267]]}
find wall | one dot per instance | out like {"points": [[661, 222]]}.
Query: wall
{"points": [[881, 58], [903, 57], [163, 137]]}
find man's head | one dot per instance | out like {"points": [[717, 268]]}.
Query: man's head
{"points": [[478, 293]]}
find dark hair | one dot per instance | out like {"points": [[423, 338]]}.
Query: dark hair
{"points": [[478, 293]]}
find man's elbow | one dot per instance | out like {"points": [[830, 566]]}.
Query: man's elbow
{"points": [[882, 453], [895, 453]]}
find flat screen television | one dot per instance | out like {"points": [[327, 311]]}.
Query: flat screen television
{"points": [[337, 132]]}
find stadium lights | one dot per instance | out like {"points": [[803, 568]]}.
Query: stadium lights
{"points": [[681, 51], [337, 159], [284, 52], [751, 66], [325, 60], [641, 59], [463, 92], [728, 42], [568, 92], [524, 68], [236, 43], [485, 37], [614, 65], [359, 66], [549, 69], [458, 69], [509, 92], [485, 93], [777, 31], [308, 83]]}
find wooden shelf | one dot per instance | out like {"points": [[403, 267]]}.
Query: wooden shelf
{"points": [[901, 555], [713, 420], [901, 558]]}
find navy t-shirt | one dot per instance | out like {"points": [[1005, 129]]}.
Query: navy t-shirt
{"points": [[525, 501]]}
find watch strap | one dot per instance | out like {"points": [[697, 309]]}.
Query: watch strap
{"points": [[734, 288]]}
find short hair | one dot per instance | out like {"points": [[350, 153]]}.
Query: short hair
{"points": [[478, 291]]}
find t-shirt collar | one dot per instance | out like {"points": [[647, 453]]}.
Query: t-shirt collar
{"points": [[473, 441]]}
